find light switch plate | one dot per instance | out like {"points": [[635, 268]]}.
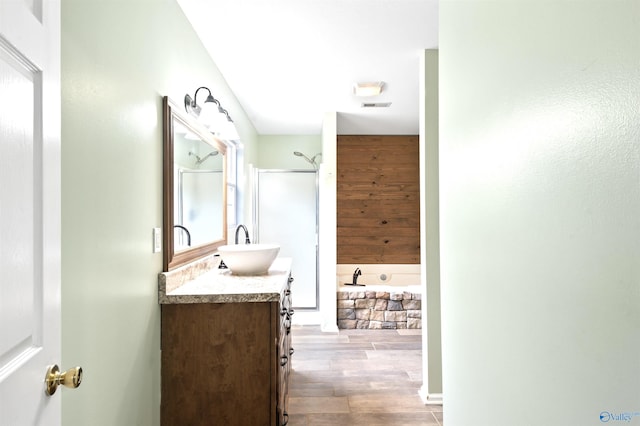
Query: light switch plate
{"points": [[157, 240]]}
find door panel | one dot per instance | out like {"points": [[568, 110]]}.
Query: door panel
{"points": [[18, 236], [29, 186]]}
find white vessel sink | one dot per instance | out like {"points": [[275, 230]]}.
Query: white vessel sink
{"points": [[249, 259]]}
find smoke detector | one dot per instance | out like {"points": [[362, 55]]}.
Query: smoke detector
{"points": [[368, 89]]}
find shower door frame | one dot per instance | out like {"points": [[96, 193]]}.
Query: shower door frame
{"points": [[256, 224]]}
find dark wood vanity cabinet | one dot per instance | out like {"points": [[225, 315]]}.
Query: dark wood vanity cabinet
{"points": [[226, 363]]}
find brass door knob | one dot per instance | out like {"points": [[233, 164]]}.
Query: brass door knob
{"points": [[54, 378]]}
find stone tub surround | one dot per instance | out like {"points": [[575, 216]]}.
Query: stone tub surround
{"points": [[220, 286], [378, 308]]}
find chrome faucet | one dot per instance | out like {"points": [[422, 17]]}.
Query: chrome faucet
{"points": [[246, 234]]}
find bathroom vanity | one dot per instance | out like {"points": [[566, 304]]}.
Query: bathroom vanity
{"points": [[226, 347]]}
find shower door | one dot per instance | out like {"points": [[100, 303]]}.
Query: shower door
{"points": [[286, 213]]}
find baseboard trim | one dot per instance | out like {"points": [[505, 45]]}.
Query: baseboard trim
{"points": [[329, 328], [430, 398], [306, 318]]}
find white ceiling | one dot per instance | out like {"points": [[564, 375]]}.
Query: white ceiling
{"points": [[290, 61]]}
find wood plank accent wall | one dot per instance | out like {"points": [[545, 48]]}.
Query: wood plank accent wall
{"points": [[378, 200]]}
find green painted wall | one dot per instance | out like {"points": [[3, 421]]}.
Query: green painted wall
{"points": [[540, 211], [276, 151], [430, 225], [118, 59]]}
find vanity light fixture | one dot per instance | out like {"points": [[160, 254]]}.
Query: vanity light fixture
{"points": [[212, 115], [368, 89], [204, 114]]}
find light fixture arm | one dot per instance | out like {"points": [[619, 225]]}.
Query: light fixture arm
{"points": [[192, 107]]}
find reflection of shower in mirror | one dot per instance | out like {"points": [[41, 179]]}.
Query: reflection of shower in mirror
{"points": [[311, 160], [201, 160]]}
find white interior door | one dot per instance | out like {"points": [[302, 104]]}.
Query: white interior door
{"points": [[29, 209], [287, 211]]}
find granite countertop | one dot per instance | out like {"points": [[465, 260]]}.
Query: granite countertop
{"points": [[220, 286]]}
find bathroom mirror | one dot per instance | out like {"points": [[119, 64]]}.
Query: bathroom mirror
{"points": [[194, 189]]}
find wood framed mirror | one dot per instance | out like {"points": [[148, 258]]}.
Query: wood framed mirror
{"points": [[194, 188]]}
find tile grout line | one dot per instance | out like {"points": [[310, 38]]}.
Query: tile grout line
{"points": [[436, 419]]}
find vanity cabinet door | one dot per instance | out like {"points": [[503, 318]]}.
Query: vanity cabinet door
{"points": [[219, 364]]}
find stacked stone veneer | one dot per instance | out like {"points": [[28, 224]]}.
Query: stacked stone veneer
{"points": [[379, 309]]}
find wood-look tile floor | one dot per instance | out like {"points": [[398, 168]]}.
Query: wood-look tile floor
{"points": [[358, 377]]}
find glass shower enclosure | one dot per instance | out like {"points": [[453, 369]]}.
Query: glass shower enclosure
{"points": [[286, 212]]}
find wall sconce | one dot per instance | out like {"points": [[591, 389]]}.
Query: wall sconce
{"points": [[211, 115]]}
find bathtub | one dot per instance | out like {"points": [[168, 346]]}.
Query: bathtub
{"points": [[391, 297]]}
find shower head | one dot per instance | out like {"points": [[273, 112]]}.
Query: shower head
{"points": [[201, 160], [311, 160], [299, 154]]}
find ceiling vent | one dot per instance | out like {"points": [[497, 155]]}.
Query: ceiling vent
{"points": [[376, 104]]}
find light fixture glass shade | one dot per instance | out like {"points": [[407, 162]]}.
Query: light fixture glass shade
{"points": [[228, 131], [208, 112], [219, 119]]}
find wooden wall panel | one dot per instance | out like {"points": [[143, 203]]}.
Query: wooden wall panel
{"points": [[378, 196]]}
